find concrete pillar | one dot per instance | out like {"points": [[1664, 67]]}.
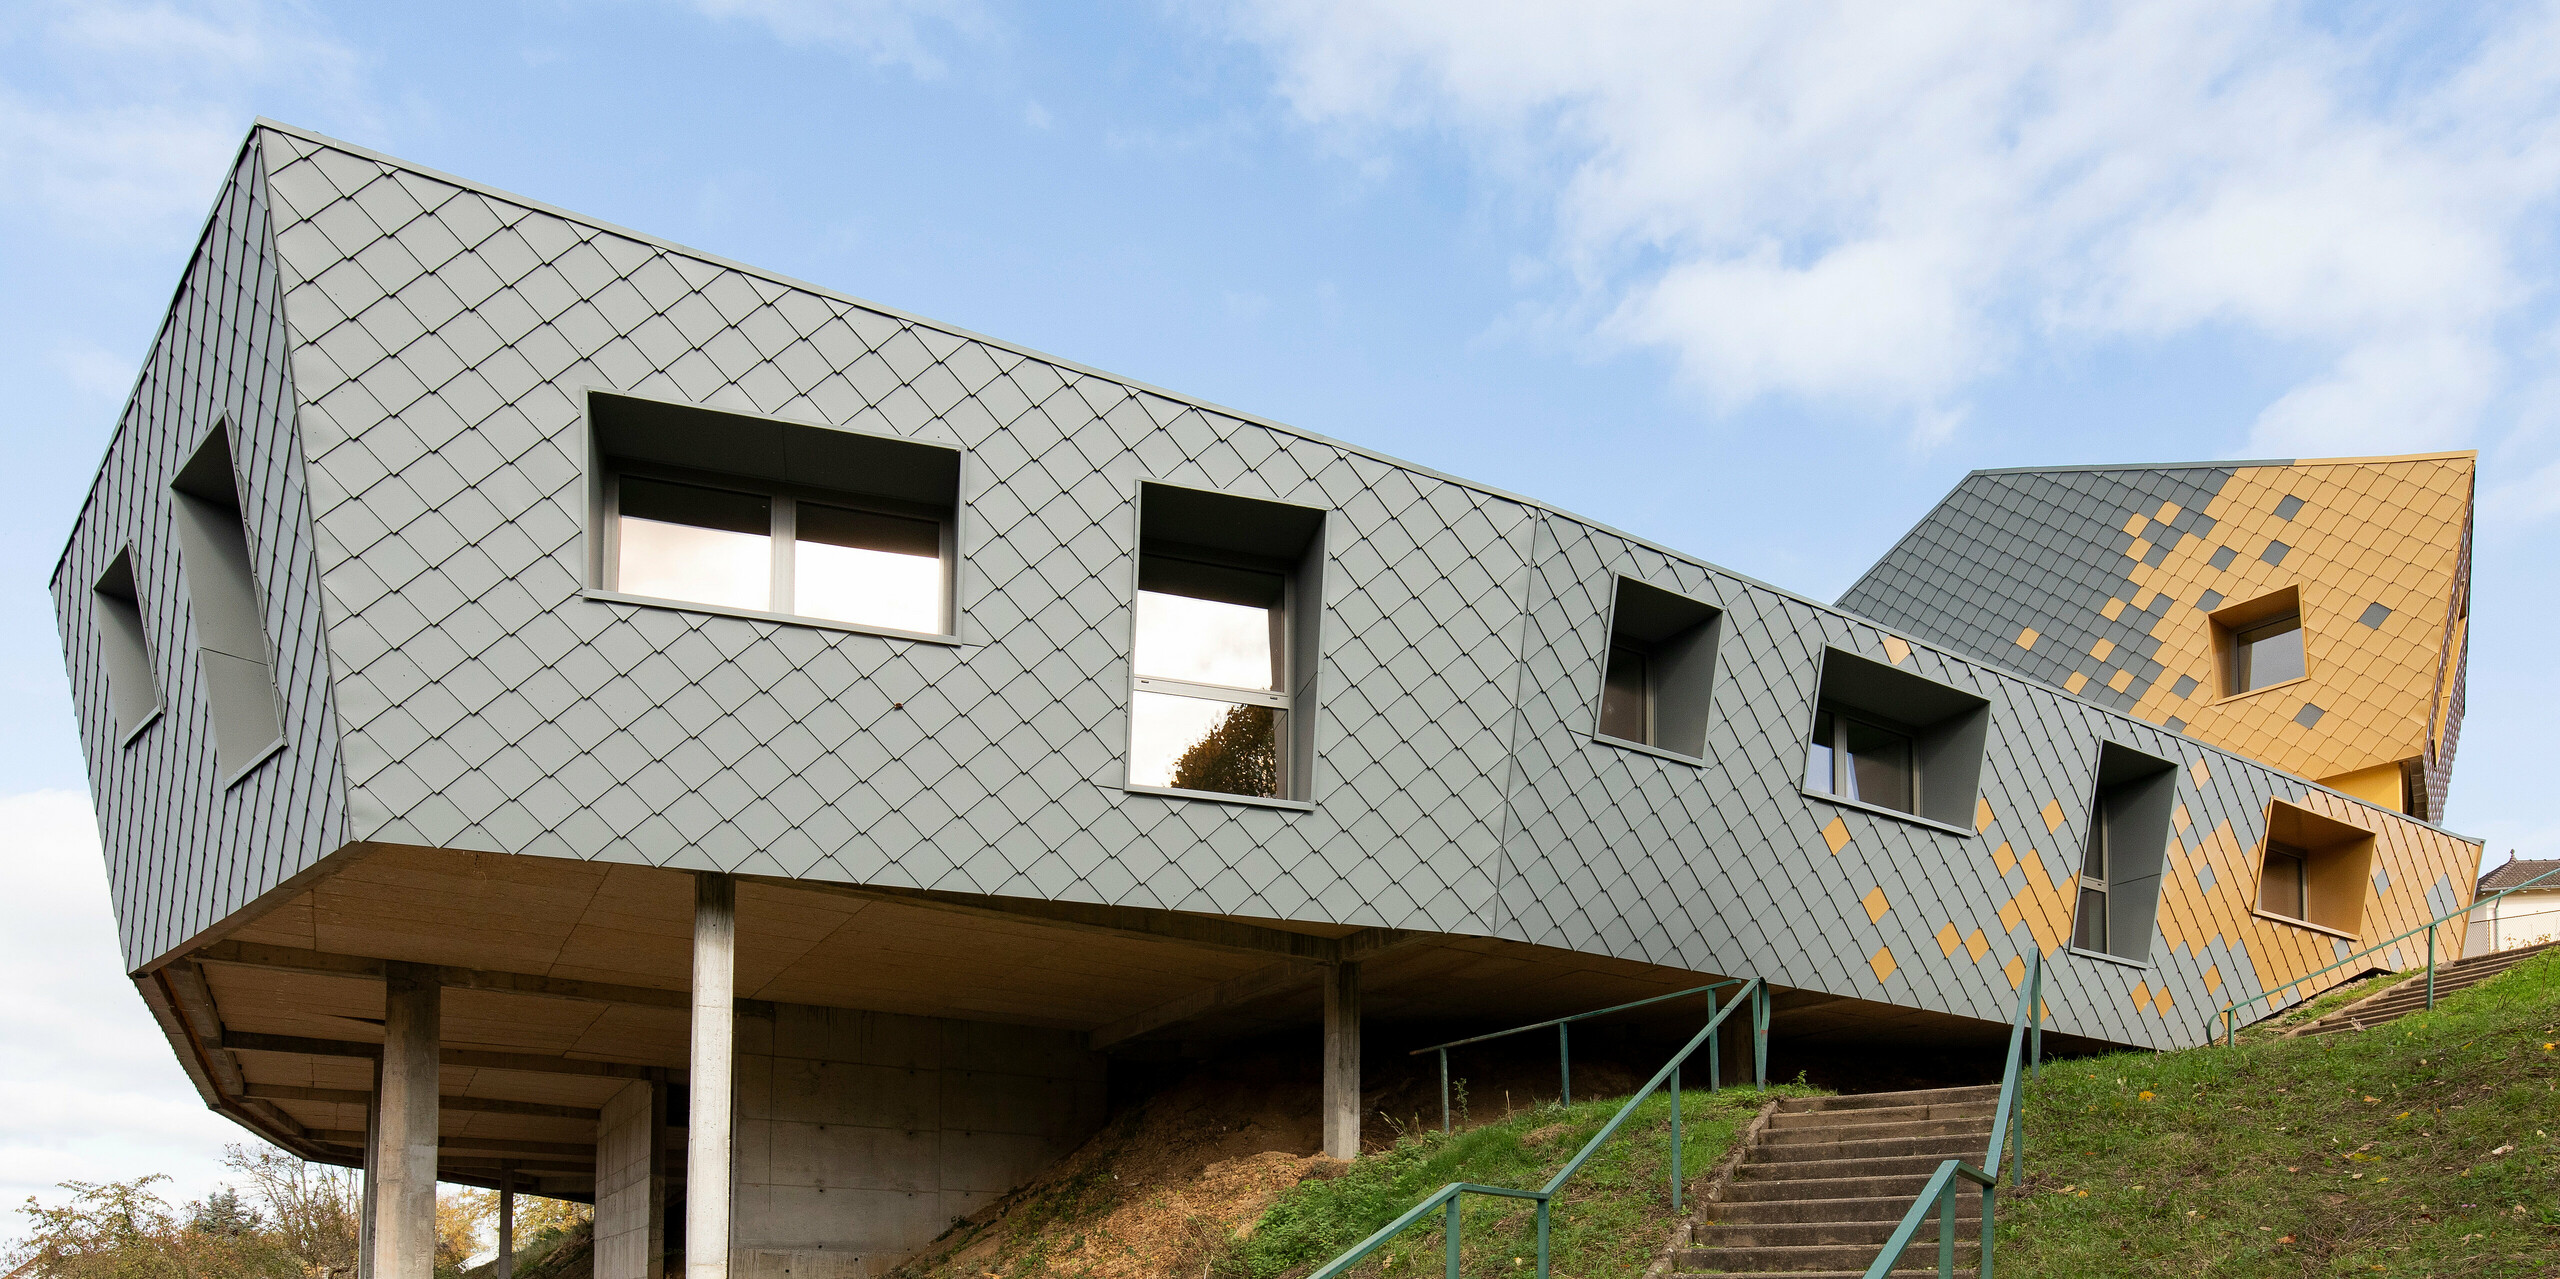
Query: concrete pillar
{"points": [[707, 1135], [372, 1173], [404, 1194], [506, 1267], [1342, 1061]]}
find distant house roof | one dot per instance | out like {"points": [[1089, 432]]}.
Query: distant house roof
{"points": [[2518, 871]]}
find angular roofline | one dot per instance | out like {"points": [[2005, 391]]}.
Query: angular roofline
{"points": [[660, 242], [2218, 465]]}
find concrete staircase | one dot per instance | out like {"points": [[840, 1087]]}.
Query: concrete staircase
{"points": [[1830, 1178], [2405, 997]]}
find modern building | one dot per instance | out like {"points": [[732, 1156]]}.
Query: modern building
{"points": [[2527, 918], [570, 712], [2312, 615]]}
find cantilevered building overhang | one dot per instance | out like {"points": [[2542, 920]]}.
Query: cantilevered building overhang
{"points": [[531, 672]]}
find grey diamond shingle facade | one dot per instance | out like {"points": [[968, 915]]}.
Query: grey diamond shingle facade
{"points": [[405, 357]]}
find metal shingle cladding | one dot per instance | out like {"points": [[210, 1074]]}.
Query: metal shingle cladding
{"points": [[442, 337], [183, 854]]}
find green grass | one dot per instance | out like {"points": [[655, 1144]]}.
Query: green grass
{"points": [[1610, 1220], [2427, 1146]]}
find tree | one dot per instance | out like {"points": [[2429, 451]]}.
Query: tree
{"points": [[312, 1210], [1241, 756], [222, 1213]]}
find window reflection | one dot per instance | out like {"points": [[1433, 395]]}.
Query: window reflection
{"points": [[686, 542], [2270, 653], [861, 566], [1207, 640], [1858, 760], [1195, 743]]}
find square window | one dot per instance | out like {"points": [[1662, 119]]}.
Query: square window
{"points": [[2120, 859], [729, 511], [2315, 869], [1885, 737], [1223, 644], [1659, 670], [2260, 643], [124, 644]]}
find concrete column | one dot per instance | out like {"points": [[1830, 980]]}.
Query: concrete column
{"points": [[372, 1173], [1342, 1061], [707, 1136], [506, 1267], [404, 1208]]}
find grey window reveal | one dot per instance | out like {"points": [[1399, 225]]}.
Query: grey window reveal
{"points": [[1626, 704], [133, 689], [2284, 885], [737, 512], [1885, 737], [222, 595], [1660, 670], [2267, 653], [1220, 644], [2120, 863]]}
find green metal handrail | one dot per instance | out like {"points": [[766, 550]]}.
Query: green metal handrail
{"points": [[2229, 1031], [2008, 1136], [1564, 1042], [1754, 991]]}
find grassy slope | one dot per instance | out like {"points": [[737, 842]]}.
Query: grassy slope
{"points": [[2427, 1146], [1609, 1221]]}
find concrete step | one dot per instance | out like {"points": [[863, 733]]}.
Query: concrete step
{"points": [[1888, 1208], [1962, 1143], [1884, 1114], [1900, 1187], [1782, 1258], [1869, 1235], [1919, 1165], [1875, 1100], [1860, 1130], [1962, 1272]]}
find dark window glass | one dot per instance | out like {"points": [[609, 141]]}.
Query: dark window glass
{"points": [[695, 505], [2092, 931], [2281, 889], [1622, 696], [1817, 762], [1880, 764], [2269, 653]]}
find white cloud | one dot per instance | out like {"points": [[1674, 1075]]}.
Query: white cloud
{"points": [[146, 104], [1880, 206], [884, 32], [89, 1088]]}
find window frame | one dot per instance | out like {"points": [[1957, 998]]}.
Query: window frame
{"points": [[2101, 846], [1677, 636], [108, 594], [2231, 621], [1840, 719], [781, 555], [603, 512], [2301, 879], [1284, 668]]}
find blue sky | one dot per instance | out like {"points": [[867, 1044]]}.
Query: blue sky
{"points": [[1759, 281]]}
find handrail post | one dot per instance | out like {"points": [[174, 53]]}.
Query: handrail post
{"points": [[1947, 1231], [1675, 1139], [2035, 1023], [2431, 967], [1564, 1054], [1453, 1235], [1715, 1050], [1982, 1268], [1542, 1239]]}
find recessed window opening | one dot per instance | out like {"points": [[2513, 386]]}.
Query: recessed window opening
{"points": [[1859, 759], [2315, 869], [1223, 633], [1659, 670], [124, 645], [2268, 653], [2118, 898], [738, 512], [1887, 738], [222, 597], [2283, 888], [2259, 643]]}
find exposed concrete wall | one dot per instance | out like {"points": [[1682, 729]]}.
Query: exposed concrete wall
{"points": [[862, 1136], [631, 1185]]}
